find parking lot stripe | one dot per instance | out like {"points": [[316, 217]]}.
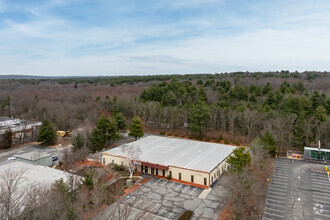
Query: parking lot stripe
{"points": [[276, 210], [322, 215], [277, 197], [322, 201], [327, 197], [275, 201], [322, 184], [275, 205], [193, 191], [154, 207], [185, 189], [281, 177], [177, 187], [158, 180], [172, 184], [170, 215], [284, 189], [279, 183], [273, 214], [279, 193]]}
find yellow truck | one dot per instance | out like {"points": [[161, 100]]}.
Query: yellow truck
{"points": [[63, 133]]}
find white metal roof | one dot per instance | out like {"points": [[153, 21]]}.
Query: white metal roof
{"points": [[33, 156], [317, 149], [35, 174], [189, 154]]}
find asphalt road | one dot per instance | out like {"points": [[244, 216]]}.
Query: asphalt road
{"points": [[5, 154], [298, 191]]}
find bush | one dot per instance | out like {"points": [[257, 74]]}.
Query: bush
{"points": [[117, 167], [162, 133], [169, 134], [199, 138], [186, 215], [182, 136], [217, 140], [169, 177], [237, 143], [207, 139], [191, 137], [220, 137], [227, 142], [176, 135]]}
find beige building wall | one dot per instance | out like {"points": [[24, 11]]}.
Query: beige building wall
{"points": [[199, 177]]}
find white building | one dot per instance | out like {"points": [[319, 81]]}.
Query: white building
{"points": [[189, 161]]}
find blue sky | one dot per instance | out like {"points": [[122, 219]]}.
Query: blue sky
{"points": [[125, 37]]}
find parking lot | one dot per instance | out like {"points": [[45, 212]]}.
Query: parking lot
{"points": [[298, 190], [163, 199]]}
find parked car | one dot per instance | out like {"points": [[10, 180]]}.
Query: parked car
{"points": [[12, 158], [54, 158]]}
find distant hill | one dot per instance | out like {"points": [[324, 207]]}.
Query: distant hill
{"points": [[3, 77]]}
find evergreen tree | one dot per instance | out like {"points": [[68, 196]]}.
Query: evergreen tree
{"points": [[202, 94], [78, 141], [47, 134], [240, 159], [7, 139], [136, 128], [268, 142], [97, 140], [121, 123], [198, 118]]}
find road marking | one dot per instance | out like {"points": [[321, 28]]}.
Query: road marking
{"points": [[177, 187], [284, 198], [275, 205], [273, 214], [146, 204], [276, 210], [279, 193], [281, 177], [276, 189], [170, 215], [322, 201], [322, 215], [284, 189], [158, 180], [193, 191], [275, 201], [279, 183], [172, 184], [327, 197], [154, 207], [185, 189]]}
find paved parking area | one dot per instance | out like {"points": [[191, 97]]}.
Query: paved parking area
{"points": [[278, 191], [298, 190], [163, 200]]}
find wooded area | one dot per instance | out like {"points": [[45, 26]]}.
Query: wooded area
{"points": [[236, 107]]}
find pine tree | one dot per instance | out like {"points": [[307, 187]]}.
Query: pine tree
{"points": [[198, 118], [136, 128], [47, 134], [7, 139], [121, 123]]}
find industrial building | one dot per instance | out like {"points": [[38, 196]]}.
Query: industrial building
{"points": [[37, 158], [313, 153], [22, 130], [197, 162]]}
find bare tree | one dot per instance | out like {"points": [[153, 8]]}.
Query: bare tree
{"points": [[133, 153], [16, 197]]}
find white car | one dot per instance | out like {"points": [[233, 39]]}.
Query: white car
{"points": [[12, 158]]}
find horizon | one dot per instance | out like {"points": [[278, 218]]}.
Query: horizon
{"points": [[87, 38]]}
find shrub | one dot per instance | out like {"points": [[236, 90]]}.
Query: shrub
{"points": [[183, 136], [186, 215], [162, 133], [169, 177], [217, 140], [170, 134], [207, 139], [199, 138], [220, 137], [176, 135], [226, 142], [237, 143], [117, 167], [191, 137]]}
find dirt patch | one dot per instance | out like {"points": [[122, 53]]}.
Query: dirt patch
{"points": [[145, 180]]}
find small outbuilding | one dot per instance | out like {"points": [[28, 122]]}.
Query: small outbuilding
{"points": [[320, 154], [37, 158]]}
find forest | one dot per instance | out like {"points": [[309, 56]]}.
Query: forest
{"points": [[223, 107]]}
